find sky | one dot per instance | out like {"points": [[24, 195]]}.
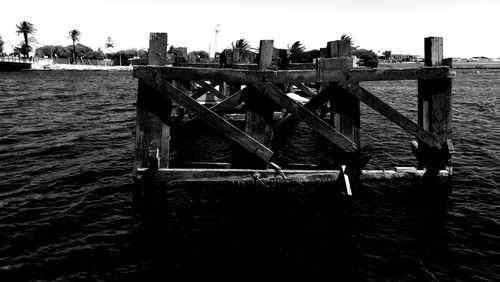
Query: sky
{"points": [[469, 27]]}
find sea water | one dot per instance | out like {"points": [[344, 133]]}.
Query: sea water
{"points": [[68, 210]]}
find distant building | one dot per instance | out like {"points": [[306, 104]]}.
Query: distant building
{"points": [[399, 58]]}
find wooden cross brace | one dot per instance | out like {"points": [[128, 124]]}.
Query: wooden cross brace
{"points": [[302, 113], [168, 90]]}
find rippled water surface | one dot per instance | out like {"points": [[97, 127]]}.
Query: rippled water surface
{"points": [[68, 210]]}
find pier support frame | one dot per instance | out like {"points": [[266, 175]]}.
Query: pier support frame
{"points": [[161, 86]]}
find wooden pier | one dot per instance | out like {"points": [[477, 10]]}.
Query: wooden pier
{"points": [[332, 111], [15, 63]]}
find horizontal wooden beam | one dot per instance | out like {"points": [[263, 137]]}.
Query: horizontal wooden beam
{"points": [[286, 76], [212, 119], [181, 175], [301, 66], [380, 74], [306, 116], [390, 113]]}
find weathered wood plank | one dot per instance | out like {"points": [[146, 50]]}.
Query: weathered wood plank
{"points": [[400, 74], [181, 175], [258, 118], [266, 54], [287, 76], [225, 105], [434, 108], [441, 112], [259, 115], [168, 90], [200, 92], [344, 109], [433, 51], [211, 89], [228, 104], [306, 116], [304, 89], [301, 66], [151, 132], [345, 112], [158, 42], [314, 103], [390, 113]]}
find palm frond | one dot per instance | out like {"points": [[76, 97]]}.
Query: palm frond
{"points": [[25, 27]]}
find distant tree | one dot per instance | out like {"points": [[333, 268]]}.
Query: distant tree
{"points": [[295, 51], [24, 49], [62, 52], [75, 37], [142, 53], [241, 44], [45, 51], [174, 51], [296, 48], [25, 28], [95, 55], [387, 54], [16, 52], [367, 58], [80, 50], [246, 50], [1, 46], [53, 51], [350, 41], [201, 53]]}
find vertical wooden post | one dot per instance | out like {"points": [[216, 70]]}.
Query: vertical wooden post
{"points": [[236, 55], [256, 125], [260, 113], [151, 133], [265, 54], [344, 107], [234, 87], [434, 106]]}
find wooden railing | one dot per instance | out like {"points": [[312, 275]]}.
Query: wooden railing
{"points": [[16, 59]]}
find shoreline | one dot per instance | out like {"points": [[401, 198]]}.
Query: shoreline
{"points": [[66, 67]]}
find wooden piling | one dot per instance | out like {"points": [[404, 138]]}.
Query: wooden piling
{"points": [[434, 107], [344, 107], [153, 122]]}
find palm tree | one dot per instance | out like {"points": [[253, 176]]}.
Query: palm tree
{"points": [[244, 46], [295, 50], [349, 40], [25, 28], [75, 37]]}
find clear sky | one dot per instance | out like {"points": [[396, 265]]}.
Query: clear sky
{"points": [[469, 27]]}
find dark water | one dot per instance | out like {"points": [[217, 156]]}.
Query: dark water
{"points": [[68, 210]]}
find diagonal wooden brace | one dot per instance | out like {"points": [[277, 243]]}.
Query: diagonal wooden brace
{"points": [[314, 103], [390, 113], [168, 90], [225, 105], [306, 116], [211, 89]]}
